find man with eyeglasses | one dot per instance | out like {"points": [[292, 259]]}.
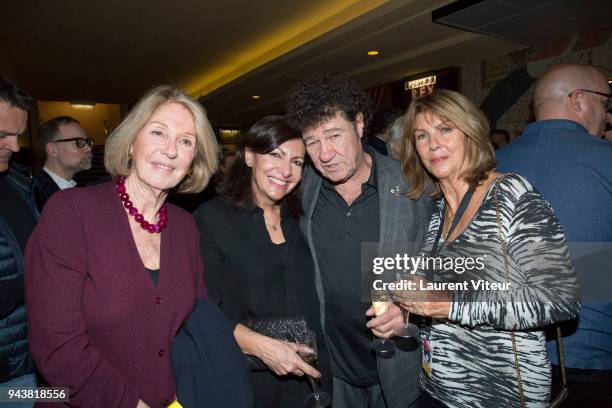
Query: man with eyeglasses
{"points": [[67, 151], [607, 134], [17, 221], [567, 161]]}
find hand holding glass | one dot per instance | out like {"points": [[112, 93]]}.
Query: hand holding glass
{"points": [[381, 302], [407, 330], [317, 399]]}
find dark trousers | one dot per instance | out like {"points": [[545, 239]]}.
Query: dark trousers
{"points": [[350, 396], [587, 388], [427, 401]]}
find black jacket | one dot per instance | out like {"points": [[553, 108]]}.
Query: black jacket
{"points": [[251, 279], [15, 360], [209, 368], [43, 188]]}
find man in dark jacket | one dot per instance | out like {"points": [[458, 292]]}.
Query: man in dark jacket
{"points": [[67, 151], [353, 196], [17, 220]]}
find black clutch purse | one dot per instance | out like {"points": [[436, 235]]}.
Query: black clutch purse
{"points": [[284, 329]]}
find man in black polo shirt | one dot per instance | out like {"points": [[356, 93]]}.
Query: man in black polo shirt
{"points": [[354, 197], [17, 220]]}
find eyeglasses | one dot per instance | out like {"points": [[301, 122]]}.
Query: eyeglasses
{"points": [[605, 95], [80, 142]]}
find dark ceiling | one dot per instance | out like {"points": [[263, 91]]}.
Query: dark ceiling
{"points": [[226, 51], [114, 50], [527, 21]]}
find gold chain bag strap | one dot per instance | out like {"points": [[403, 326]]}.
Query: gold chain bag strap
{"points": [[504, 245]]}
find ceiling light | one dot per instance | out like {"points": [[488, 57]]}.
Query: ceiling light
{"points": [[373, 52], [255, 97], [82, 104]]}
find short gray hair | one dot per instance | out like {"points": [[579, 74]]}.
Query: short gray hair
{"points": [[395, 133]]}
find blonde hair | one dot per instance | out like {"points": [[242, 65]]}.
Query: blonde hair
{"points": [[465, 115], [120, 140]]}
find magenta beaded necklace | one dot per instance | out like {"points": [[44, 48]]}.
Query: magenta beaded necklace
{"points": [[125, 198]]}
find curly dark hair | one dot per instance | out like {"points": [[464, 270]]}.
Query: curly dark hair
{"points": [[264, 136], [322, 96]]}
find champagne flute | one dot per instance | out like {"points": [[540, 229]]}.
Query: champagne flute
{"points": [[316, 399], [380, 302], [408, 329]]}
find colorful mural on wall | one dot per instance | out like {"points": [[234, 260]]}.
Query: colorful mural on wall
{"points": [[506, 81]]}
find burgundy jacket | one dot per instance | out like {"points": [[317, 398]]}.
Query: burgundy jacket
{"points": [[97, 323]]}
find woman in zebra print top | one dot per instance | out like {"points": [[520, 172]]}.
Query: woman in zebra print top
{"points": [[469, 356]]}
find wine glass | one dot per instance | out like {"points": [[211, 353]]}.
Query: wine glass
{"points": [[381, 301], [316, 399], [408, 329]]}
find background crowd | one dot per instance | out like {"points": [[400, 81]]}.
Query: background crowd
{"points": [[131, 301]]}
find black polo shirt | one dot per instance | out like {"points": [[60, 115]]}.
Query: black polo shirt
{"points": [[338, 231]]}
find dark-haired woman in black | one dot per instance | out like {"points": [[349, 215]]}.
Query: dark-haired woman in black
{"points": [[257, 266]]}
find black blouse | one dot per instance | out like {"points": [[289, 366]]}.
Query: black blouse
{"points": [[250, 277]]}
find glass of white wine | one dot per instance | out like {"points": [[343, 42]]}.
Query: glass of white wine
{"points": [[316, 399], [408, 329], [381, 301]]}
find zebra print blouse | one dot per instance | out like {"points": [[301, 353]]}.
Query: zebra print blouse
{"points": [[472, 362]]}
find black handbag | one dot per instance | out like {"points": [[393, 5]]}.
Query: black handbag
{"points": [[284, 329]]}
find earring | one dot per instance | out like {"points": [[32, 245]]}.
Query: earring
{"points": [[129, 160]]}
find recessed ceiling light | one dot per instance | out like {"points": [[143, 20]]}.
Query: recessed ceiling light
{"points": [[82, 104], [373, 52], [255, 97]]}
